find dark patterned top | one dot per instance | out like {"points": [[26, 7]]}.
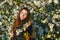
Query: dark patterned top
{"points": [[20, 35]]}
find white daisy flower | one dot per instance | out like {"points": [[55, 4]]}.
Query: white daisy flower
{"points": [[18, 31]]}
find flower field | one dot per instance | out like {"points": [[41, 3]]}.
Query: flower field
{"points": [[45, 15]]}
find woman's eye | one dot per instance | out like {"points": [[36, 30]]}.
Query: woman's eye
{"points": [[21, 12]]}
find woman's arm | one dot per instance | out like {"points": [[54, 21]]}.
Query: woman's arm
{"points": [[27, 25]]}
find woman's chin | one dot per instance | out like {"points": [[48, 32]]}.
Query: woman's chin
{"points": [[22, 19]]}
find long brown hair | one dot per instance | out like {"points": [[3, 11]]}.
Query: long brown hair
{"points": [[17, 21]]}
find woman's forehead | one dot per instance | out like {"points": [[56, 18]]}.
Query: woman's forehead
{"points": [[25, 11]]}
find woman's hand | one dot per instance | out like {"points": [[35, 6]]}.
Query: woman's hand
{"points": [[26, 25], [11, 34]]}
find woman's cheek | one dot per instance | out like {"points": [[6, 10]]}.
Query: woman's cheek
{"points": [[25, 16], [20, 15]]}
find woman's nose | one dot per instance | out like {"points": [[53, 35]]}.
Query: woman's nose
{"points": [[23, 14]]}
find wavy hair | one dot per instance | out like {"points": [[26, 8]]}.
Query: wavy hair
{"points": [[18, 20]]}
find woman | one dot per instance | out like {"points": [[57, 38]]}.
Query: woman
{"points": [[22, 27]]}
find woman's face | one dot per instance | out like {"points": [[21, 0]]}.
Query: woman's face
{"points": [[23, 14]]}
